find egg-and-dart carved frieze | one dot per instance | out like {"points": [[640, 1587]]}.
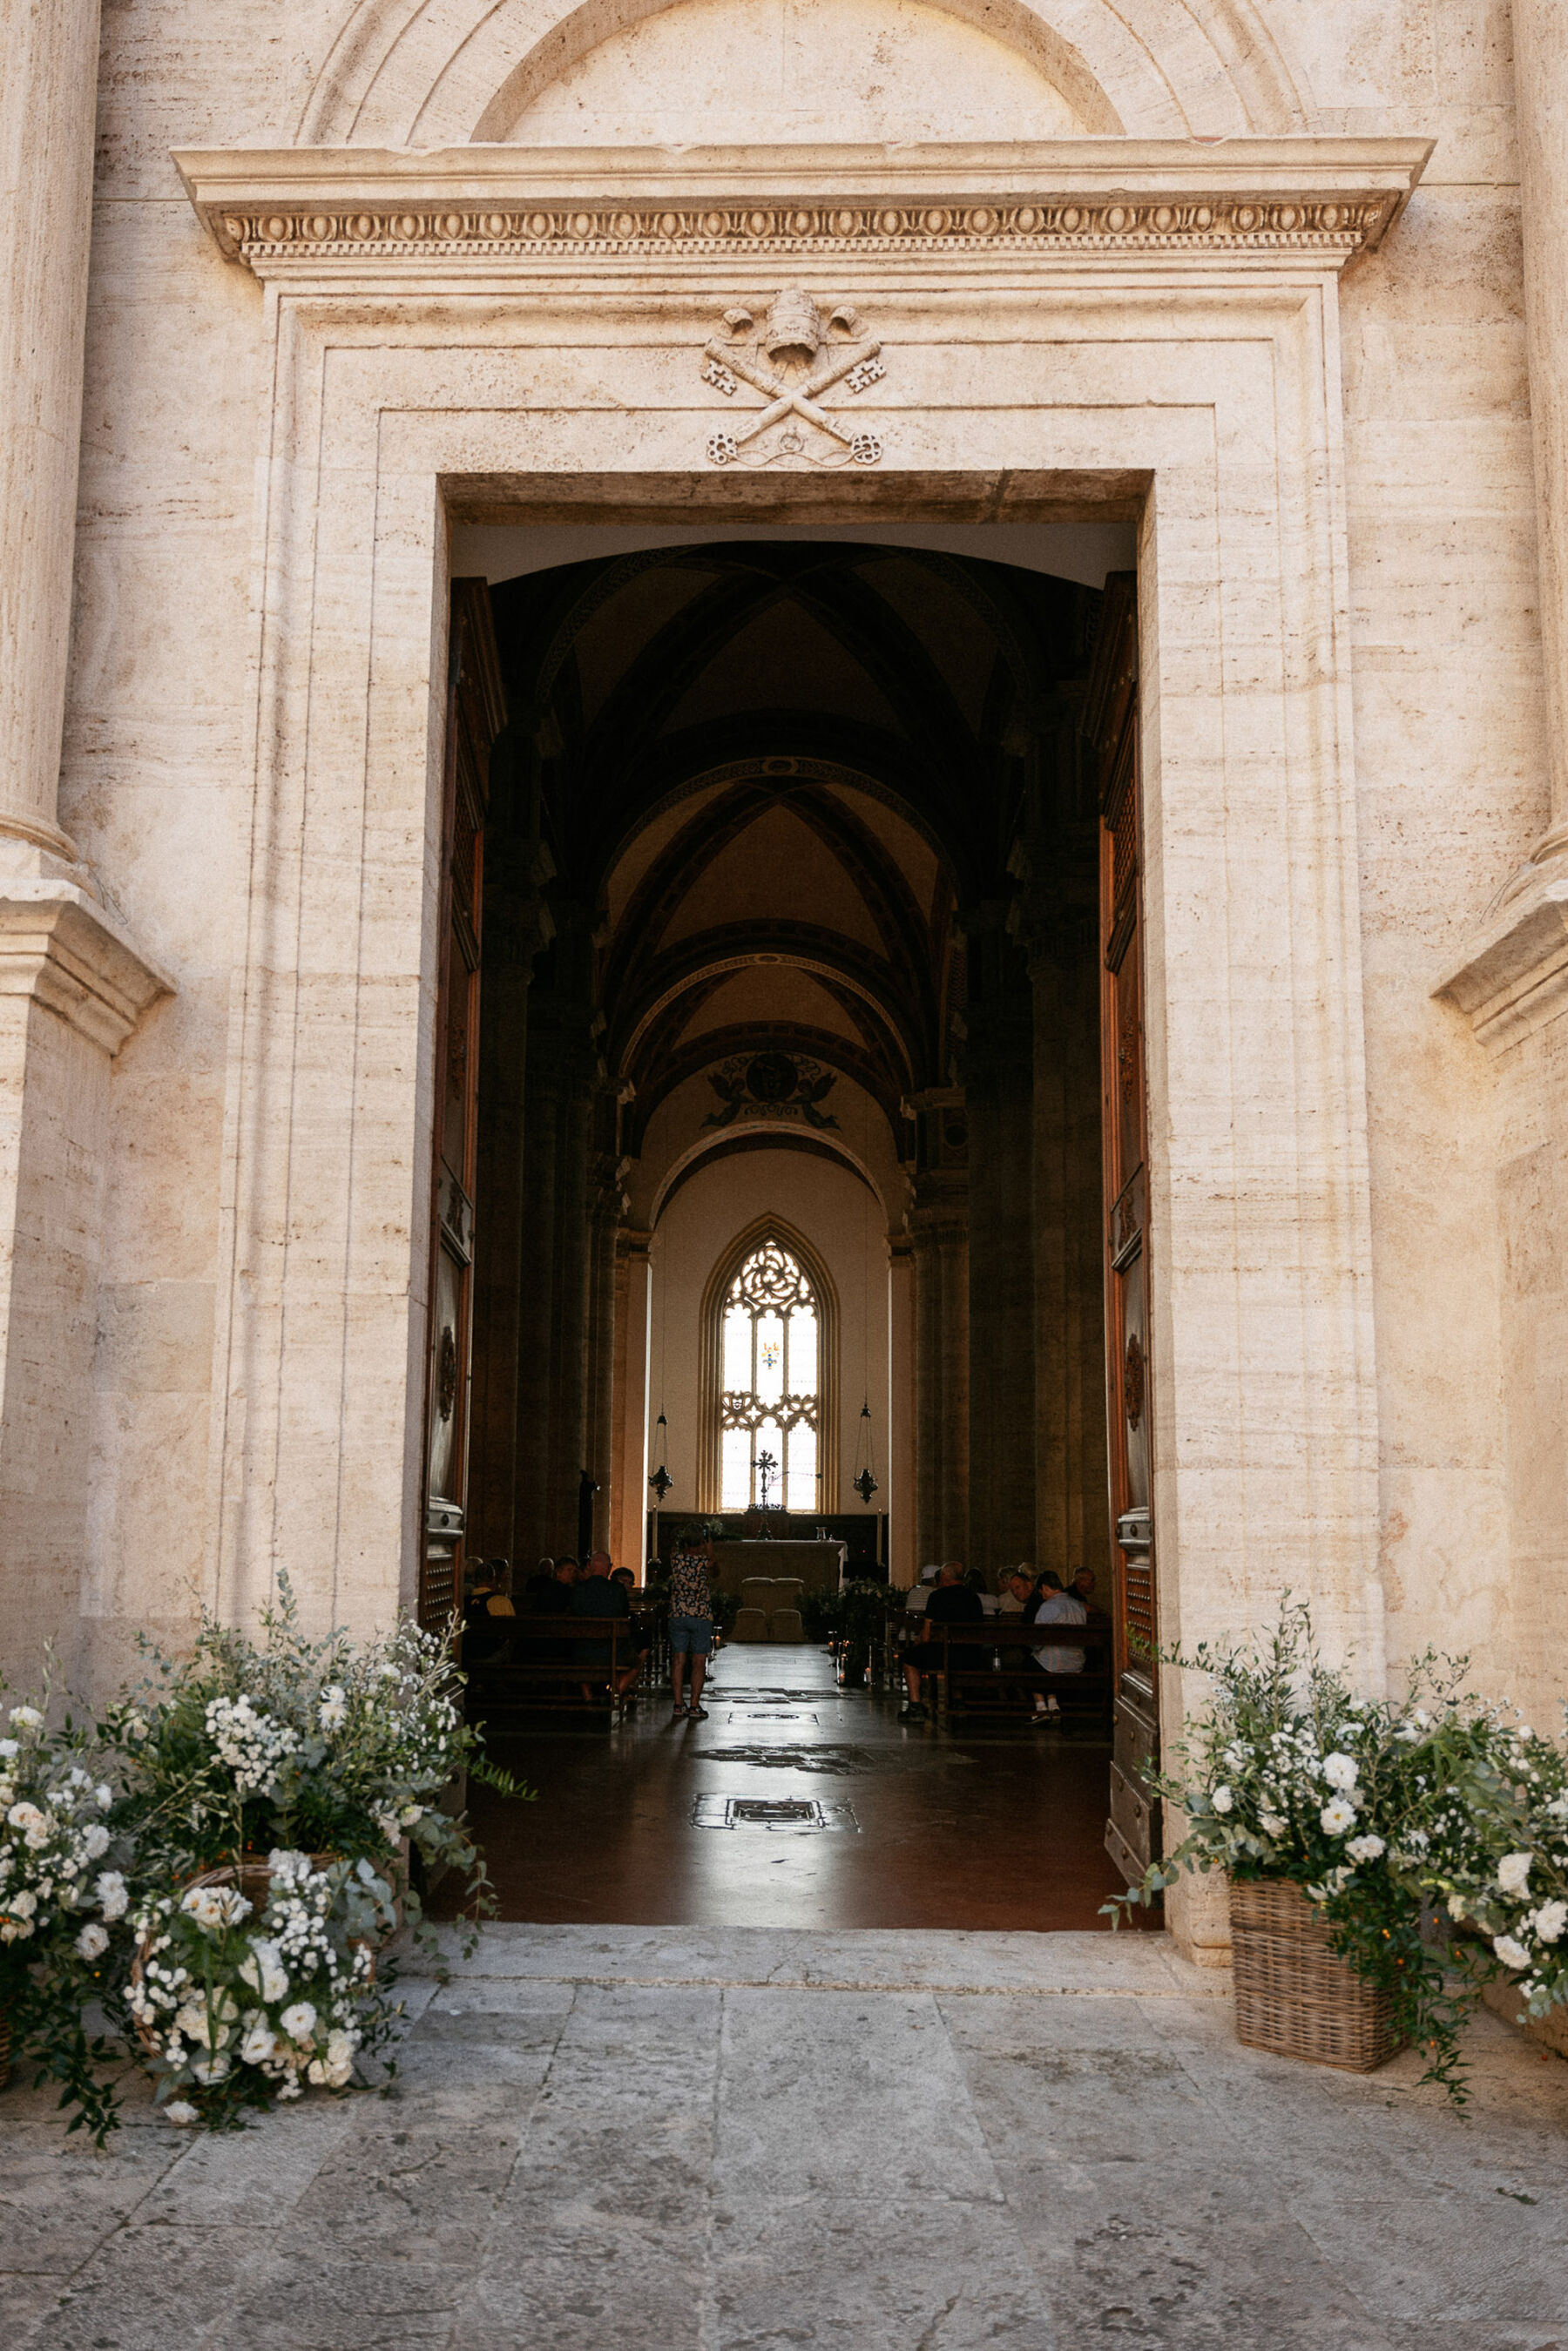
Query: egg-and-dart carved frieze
{"points": [[1223, 224]]}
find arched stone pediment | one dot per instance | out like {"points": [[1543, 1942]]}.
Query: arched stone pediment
{"points": [[428, 73]]}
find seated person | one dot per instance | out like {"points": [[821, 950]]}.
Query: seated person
{"points": [[1017, 1588], [593, 1594], [540, 1597], [642, 1638], [951, 1602], [489, 1616], [1057, 1608], [1083, 1583], [915, 1604]]}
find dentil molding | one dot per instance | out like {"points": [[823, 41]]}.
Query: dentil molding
{"points": [[352, 212]]}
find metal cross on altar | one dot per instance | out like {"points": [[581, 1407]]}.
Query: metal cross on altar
{"points": [[792, 363], [766, 1470]]}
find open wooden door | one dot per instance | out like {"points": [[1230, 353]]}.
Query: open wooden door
{"points": [[1112, 722], [476, 713]]}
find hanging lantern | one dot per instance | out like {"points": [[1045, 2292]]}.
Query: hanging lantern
{"points": [[660, 1481], [864, 1479]]}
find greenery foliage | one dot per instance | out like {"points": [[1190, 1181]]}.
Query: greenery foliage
{"points": [[244, 1752], [1377, 1808]]}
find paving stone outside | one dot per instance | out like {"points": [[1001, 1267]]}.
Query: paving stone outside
{"points": [[757, 2140]]}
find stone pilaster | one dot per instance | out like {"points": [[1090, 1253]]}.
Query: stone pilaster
{"points": [[48, 94], [72, 987], [1512, 979]]}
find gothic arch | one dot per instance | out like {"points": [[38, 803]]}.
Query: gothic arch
{"points": [[769, 1226], [433, 73]]}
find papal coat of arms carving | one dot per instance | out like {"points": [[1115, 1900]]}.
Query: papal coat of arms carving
{"points": [[800, 355]]}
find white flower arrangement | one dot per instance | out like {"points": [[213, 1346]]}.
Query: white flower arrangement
{"points": [[331, 1745], [1381, 1809], [51, 1831], [58, 1908], [240, 2002]]}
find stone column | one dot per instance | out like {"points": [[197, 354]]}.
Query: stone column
{"points": [[629, 1497], [607, 1205], [999, 1075], [1072, 1504], [518, 926], [1512, 978], [904, 1563], [939, 1247], [48, 96], [73, 985], [1541, 102]]}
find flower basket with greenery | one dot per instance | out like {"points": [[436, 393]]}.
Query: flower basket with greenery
{"points": [[864, 1607], [1290, 1777], [62, 1901], [1495, 1856], [251, 1984], [330, 1745]]}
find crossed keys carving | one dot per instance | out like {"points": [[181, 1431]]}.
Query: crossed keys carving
{"points": [[792, 363]]}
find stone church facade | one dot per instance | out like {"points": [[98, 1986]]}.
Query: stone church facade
{"points": [[1277, 290]]}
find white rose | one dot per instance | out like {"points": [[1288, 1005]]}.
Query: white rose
{"points": [[210, 2070], [9, 1747], [24, 1904], [1512, 1953], [26, 1817], [1341, 1770], [27, 1717], [113, 1900], [1337, 1816], [411, 1814], [1514, 1872], [1550, 1920], [1366, 1848], [180, 2113], [105, 1795], [1222, 1799], [92, 1942], [299, 2022], [95, 1841], [259, 2045], [1271, 1824]]}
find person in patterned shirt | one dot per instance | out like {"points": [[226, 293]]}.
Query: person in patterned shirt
{"points": [[691, 1621]]}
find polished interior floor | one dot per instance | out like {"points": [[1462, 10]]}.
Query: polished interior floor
{"points": [[992, 1824]]}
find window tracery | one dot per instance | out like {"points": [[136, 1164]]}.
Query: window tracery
{"points": [[770, 1403]]}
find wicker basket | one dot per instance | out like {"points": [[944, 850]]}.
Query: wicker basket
{"points": [[1293, 1994], [253, 1879]]}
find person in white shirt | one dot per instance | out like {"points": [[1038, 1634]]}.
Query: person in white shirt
{"points": [[1056, 1608]]}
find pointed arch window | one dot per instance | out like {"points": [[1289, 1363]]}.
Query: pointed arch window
{"points": [[769, 1345]]}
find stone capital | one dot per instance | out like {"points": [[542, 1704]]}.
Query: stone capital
{"points": [[59, 945]]}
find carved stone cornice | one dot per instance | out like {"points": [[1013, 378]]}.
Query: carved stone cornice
{"points": [[350, 215], [1512, 979], [60, 947]]}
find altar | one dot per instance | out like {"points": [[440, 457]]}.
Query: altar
{"points": [[817, 1565]]}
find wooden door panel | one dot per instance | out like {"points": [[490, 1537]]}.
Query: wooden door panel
{"points": [[1112, 724], [475, 712]]}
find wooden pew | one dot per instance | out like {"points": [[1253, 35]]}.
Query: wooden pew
{"points": [[960, 1657], [544, 1663]]}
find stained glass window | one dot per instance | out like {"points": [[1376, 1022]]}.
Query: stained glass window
{"points": [[769, 1408]]}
